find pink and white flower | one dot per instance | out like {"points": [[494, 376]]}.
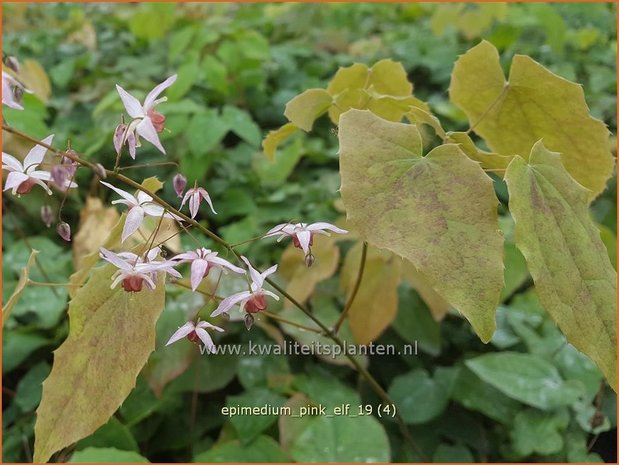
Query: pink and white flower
{"points": [[195, 195], [302, 234], [195, 332], [23, 176], [252, 301], [202, 260], [9, 85], [147, 122], [134, 272], [139, 207]]}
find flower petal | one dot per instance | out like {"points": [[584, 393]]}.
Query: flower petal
{"points": [[148, 132], [207, 197], [132, 104], [12, 163], [194, 204], [134, 219], [125, 195], [198, 268], [44, 175], [114, 259], [206, 324], [226, 264], [181, 332], [328, 226], [206, 339], [304, 238], [153, 94], [229, 302], [36, 154], [256, 277], [14, 179]]}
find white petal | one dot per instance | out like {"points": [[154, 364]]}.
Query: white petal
{"points": [[206, 339], [226, 264], [132, 104], [148, 132], [36, 154], [40, 174], [134, 219], [270, 294], [198, 267], [153, 94], [229, 302], [207, 197], [328, 226], [181, 332], [186, 256], [14, 179], [12, 163], [270, 271], [194, 204], [284, 228], [304, 238], [125, 195], [114, 259], [206, 324], [256, 277]]}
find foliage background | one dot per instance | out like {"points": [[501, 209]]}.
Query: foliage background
{"points": [[238, 65]]}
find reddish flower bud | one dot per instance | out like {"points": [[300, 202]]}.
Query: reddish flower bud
{"points": [[179, 182], [64, 231], [249, 321], [12, 63], [132, 283], [47, 215]]}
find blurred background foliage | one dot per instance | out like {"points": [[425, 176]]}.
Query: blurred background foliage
{"points": [[238, 65]]}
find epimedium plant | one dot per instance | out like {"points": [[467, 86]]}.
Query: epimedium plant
{"points": [[435, 214]]}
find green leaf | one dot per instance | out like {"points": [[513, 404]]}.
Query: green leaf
{"points": [[525, 377], [414, 322], [534, 103], [531, 425], [438, 211], [89, 381], [205, 131], [215, 74], [106, 455], [574, 278], [419, 397], [488, 160], [274, 138], [242, 124], [112, 434], [446, 453], [262, 450], [342, 439], [305, 108], [249, 427], [188, 74], [28, 393], [17, 345]]}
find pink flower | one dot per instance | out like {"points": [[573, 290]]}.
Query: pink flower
{"points": [[146, 123], [9, 86], [202, 260], [139, 207], [133, 272], [195, 196], [302, 233], [252, 301], [193, 332], [23, 177]]}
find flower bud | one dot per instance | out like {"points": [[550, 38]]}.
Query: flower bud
{"points": [[309, 259], [179, 182], [119, 137], [59, 175], [12, 63], [100, 171], [249, 321], [64, 231], [47, 215]]}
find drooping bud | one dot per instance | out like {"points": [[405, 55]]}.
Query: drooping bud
{"points": [[100, 171], [59, 175], [12, 63], [119, 137], [64, 231], [47, 215], [249, 321], [179, 182], [309, 259]]}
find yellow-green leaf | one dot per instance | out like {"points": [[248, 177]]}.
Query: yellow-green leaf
{"points": [[305, 108], [438, 211], [533, 104], [376, 304], [276, 137], [7, 309], [111, 334], [488, 160], [437, 305], [574, 278]]}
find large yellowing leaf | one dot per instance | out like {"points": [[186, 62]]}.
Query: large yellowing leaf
{"points": [[276, 137], [573, 275], [111, 334], [437, 305], [96, 222], [438, 211], [512, 115], [488, 160], [376, 303], [303, 109]]}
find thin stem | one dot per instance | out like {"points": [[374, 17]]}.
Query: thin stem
{"points": [[376, 387], [355, 289], [276, 317], [42, 284]]}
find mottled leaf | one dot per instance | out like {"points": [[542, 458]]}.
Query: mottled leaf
{"points": [[532, 104], [574, 278], [438, 211], [111, 335]]}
